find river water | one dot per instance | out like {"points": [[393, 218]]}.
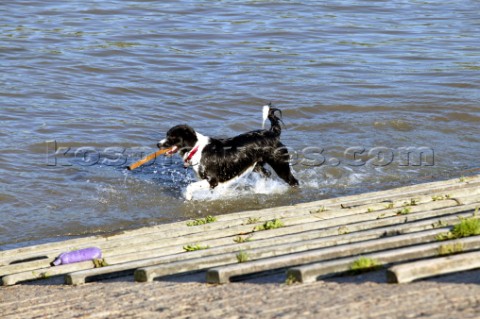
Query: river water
{"points": [[374, 94]]}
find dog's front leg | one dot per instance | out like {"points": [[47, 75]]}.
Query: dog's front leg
{"points": [[193, 187], [213, 182]]}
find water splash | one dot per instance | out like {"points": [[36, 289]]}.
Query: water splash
{"points": [[248, 185]]}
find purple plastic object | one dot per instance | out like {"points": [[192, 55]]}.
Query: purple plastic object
{"points": [[76, 256]]}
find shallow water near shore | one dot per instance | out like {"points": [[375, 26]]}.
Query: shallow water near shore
{"points": [[374, 95]]}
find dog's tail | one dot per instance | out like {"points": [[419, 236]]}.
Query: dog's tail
{"points": [[269, 112]]}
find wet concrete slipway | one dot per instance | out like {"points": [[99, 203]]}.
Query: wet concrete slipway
{"points": [[293, 251]]}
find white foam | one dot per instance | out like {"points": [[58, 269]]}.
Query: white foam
{"points": [[250, 184]]}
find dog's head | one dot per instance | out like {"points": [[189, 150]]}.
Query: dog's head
{"points": [[180, 138]]}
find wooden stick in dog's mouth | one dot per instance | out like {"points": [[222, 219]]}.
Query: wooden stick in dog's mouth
{"points": [[152, 156]]}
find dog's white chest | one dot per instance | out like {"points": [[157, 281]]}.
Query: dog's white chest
{"points": [[194, 160]]}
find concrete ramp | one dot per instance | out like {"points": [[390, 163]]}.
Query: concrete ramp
{"points": [[308, 241]]}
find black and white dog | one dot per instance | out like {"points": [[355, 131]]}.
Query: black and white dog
{"points": [[220, 161]]}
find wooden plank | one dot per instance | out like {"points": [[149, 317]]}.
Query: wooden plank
{"points": [[44, 273], [170, 230], [225, 273], [309, 237], [141, 243], [463, 195], [415, 190], [422, 188], [304, 207], [327, 231], [218, 230], [172, 237], [467, 200], [168, 237], [312, 272], [409, 272], [262, 248], [162, 231]]}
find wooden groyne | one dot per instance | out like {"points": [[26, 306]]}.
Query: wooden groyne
{"points": [[399, 229]]}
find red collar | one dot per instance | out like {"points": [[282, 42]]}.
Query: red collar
{"points": [[191, 154]]}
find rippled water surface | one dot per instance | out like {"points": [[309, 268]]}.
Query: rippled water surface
{"points": [[102, 81]]}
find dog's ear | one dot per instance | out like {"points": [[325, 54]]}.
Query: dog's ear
{"points": [[187, 135]]}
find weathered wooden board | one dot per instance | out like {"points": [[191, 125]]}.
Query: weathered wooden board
{"points": [[409, 272], [312, 272]]}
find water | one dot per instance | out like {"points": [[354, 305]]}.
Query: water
{"points": [[107, 79]]}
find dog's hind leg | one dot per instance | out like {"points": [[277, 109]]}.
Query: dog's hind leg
{"points": [[284, 172], [259, 168], [279, 163]]}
